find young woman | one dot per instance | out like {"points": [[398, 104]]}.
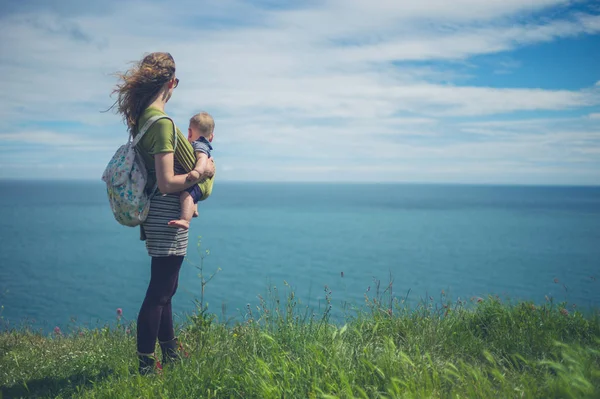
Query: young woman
{"points": [[143, 92]]}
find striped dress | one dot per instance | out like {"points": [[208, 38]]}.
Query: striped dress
{"points": [[161, 239]]}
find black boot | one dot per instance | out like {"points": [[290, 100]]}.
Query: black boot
{"points": [[170, 351], [148, 364]]}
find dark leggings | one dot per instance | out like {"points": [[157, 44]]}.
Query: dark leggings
{"points": [[155, 319]]}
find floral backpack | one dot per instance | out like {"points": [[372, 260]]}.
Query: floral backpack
{"points": [[126, 176]]}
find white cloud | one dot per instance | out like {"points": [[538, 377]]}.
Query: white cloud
{"points": [[53, 139], [271, 66], [466, 41], [314, 84]]}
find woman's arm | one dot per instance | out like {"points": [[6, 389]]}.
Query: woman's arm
{"points": [[168, 182], [200, 167]]}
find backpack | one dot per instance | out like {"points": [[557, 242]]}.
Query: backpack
{"points": [[126, 176]]}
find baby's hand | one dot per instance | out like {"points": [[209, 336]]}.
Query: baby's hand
{"points": [[193, 175]]}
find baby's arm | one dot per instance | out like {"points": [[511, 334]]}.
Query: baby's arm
{"points": [[200, 167]]}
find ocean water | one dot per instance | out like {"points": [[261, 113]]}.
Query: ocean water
{"points": [[64, 260]]}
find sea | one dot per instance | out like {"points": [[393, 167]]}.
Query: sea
{"points": [[66, 262]]}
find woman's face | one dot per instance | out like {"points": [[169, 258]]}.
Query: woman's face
{"points": [[172, 84]]}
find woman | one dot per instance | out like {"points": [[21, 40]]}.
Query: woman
{"points": [[143, 93]]}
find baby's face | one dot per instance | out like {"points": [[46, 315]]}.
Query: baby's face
{"points": [[193, 134]]}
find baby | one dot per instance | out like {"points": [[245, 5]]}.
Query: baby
{"points": [[200, 135]]}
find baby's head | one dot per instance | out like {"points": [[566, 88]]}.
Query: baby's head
{"points": [[201, 124]]}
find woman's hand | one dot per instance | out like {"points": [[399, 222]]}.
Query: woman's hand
{"points": [[193, 175], [210, 168], [168, 182], [204, 168]]}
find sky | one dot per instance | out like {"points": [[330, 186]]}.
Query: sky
{"points": [[462, 91]]}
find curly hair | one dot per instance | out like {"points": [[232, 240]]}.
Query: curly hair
{"points": [[140, 85]]}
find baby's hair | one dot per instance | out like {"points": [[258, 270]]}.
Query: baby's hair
{"points": [[204, 122]]}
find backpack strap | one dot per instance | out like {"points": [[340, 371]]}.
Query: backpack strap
{"points": [[143, 131], [149, 123]]}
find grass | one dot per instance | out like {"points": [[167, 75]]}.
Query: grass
{"points": [[484, 348], [441, 349]]}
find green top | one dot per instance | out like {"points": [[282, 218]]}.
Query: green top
{"points": [[159, 139]]}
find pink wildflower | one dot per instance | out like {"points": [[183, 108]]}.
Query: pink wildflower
{"points": [[479, 300], [119, 312], [57, 330], [564, 312]]}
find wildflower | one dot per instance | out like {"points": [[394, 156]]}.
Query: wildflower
{"points": [[57, 330], [564, 312], [555, 281], [119, 312], [479, 300], [81, 333]]}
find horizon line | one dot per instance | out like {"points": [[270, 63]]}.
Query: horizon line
{"points": [[336, 182]]}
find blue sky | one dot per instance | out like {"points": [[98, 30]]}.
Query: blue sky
{"points": [[469, 91]]}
